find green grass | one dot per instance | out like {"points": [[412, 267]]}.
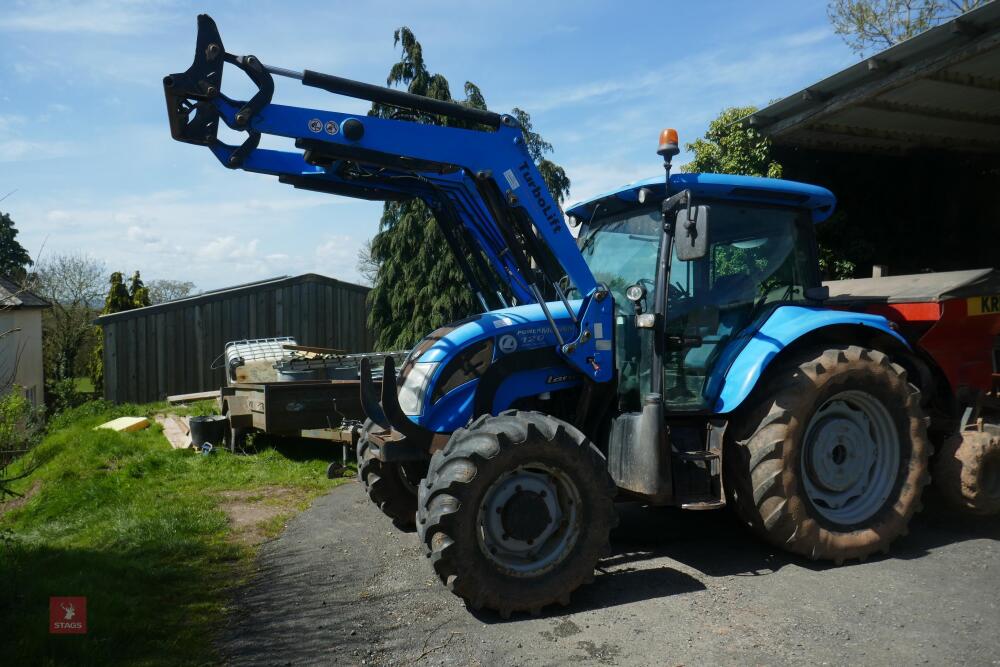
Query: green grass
{"points": [[138, 529], [84, 385]]}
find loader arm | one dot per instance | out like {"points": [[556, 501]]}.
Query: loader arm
{"points": [[505, 230]]}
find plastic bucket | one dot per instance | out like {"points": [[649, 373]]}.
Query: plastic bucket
{"points": [[211, 428]]}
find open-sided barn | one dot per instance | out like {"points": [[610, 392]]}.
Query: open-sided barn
{"points": [[908, 140]]}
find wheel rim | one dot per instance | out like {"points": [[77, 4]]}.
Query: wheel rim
{"points": [[405, 475], [529, 520], [850, 457]]}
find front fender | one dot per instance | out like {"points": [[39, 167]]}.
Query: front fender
{"points": [[734, 380]]}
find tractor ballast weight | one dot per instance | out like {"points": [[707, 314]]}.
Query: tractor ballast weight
{"points": [[664, 357]]}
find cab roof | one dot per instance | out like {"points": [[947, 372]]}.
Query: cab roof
{"points": [[819, 201]]}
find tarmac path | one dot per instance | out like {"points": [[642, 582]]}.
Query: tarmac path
{"points": [[341, 586]]}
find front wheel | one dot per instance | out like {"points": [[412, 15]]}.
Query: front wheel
{"points": [[832, 461], [516, 511], [391, 486]]}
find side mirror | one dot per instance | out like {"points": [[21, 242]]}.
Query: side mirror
{"points": [[691, 233]]}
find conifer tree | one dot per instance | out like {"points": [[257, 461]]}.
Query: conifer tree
{"points": [[14, 259], [138, 292], [418, 286], [119, 299]]}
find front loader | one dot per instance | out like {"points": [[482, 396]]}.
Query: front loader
{"points": [[676, 353]]}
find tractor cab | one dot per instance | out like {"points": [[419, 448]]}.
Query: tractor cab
{"points": [[760, 253]]}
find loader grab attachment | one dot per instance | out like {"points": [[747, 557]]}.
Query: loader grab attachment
{"points": [[505, 230]]}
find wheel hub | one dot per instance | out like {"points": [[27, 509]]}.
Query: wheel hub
{"points": [[528, 520], [850, 457], [525, 516], [841, 451]]}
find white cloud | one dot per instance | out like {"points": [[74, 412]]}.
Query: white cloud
{"points": [[19, 150], [213, 242], [228, 247], [809, 37], [736, 72], [97, 17], [58, 215], [15, 147], [338, 255], [590, 180]]}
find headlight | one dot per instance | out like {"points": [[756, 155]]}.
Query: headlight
{"points": [[414, 389]]}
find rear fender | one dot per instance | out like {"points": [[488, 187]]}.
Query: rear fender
{"points": [[741, 366]]}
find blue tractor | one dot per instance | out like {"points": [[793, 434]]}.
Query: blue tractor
{"points": [[675, 351]]}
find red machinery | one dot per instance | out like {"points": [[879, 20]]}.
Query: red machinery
{"points": [[953, 320]]}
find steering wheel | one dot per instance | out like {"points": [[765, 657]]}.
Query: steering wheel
{"points": [[678, 291]]}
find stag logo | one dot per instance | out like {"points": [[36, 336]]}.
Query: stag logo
{"points": [[67, 615]]}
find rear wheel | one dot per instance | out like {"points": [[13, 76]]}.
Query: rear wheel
{"points": [[516, 511], [967, 472], [831, 464], [391, 486]]}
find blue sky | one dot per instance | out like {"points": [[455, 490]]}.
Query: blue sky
{"points": [[84, 138]]}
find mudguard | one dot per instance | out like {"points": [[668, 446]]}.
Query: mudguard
{"points": [[741, 366]]}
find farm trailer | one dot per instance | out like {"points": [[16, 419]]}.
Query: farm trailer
{"points": [[278, 387]]}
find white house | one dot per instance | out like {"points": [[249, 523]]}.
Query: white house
{"points": [[21, 340]]}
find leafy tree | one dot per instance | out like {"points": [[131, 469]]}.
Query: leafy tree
{"points": [[873, 25], [72, 284], [729, 147], [417, 283], [20, 427], [14, 259], [367, 266], [161, 291]]}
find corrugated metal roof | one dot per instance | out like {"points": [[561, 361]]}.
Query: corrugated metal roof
{"points": [[226, 292], [14, 296], [937, 90]]}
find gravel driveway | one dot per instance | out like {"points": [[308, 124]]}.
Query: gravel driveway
{"points": [[341, 586]]}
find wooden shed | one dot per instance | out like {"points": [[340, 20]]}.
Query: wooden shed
{"points": [[166, 349]]}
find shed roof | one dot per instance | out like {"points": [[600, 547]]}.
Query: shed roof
{"points": [[14, 296], [937, 90], [226, 293]]}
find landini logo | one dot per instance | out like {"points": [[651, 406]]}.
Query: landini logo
{"points": [[67, 616]]}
